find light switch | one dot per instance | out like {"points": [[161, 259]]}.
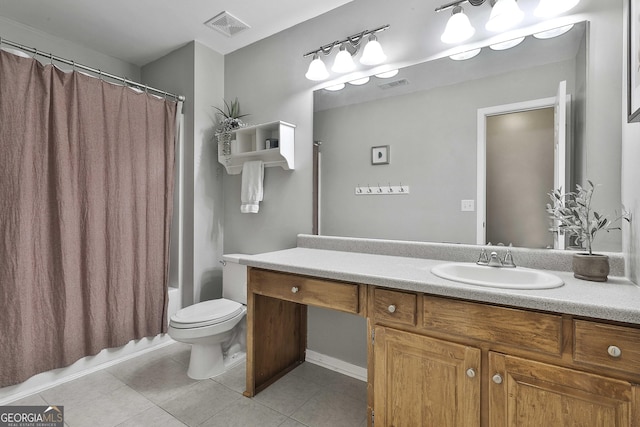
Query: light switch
{"points": [[467, 206]]}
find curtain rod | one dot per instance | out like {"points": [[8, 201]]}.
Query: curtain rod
{"points": [[100, 73]]}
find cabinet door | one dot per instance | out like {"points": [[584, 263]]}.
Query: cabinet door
{"points": [[524, 393], [421, 381]]}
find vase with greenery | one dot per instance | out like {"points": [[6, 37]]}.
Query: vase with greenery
{"points": [[229, 119], [573, 215]]}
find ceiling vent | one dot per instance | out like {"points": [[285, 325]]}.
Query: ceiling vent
{"points": [[227, 24], [396, 83]]}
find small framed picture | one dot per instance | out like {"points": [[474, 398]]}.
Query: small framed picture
{"points": [[380, 155]]}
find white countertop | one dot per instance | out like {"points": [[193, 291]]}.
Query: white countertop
{"points": [[617, 300]]}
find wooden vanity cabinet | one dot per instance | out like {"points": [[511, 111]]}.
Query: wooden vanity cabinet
{"points": [[444, 362], [463, 363]]}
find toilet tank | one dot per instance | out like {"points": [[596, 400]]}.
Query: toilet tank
{"points": [[234, 278]]}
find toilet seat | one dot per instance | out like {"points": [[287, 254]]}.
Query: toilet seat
{"points": [[206, 313]]}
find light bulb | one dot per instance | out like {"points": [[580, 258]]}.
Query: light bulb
{"points": [[317, 71], [505, 14], [343, 62], [458, 27], [373, 53], [549, 8], [554, 32]]}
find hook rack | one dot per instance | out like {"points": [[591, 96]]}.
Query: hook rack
{"points": [[381, 190]]}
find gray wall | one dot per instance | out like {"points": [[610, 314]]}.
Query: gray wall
{"points": [[44, 42], [198, 73]]}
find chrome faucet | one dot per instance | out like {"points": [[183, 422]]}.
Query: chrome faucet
{"points": [[493, 260]]}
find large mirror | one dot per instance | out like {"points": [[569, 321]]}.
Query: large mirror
{"points": [[431, 115]]}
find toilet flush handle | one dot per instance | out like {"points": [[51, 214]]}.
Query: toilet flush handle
{"points": [[223, 262]]}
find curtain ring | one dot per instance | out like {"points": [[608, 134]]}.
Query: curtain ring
{"points": [[73, 65], [51, 58], [35, 53], [100, 74]]}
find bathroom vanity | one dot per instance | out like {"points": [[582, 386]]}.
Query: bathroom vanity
{"points": [[448, 354]]}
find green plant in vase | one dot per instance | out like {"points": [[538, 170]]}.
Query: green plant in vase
{"points": [[573, 215], [229, 119]]}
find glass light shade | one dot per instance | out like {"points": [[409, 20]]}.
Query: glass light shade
{"points": [[549, 8], [343, 62], [507, 44], [554, 32], [335, 88], [387, 74], [505, 14], [465, 55], [317, 71], [373, 53], [458, 28], [361, 81]]}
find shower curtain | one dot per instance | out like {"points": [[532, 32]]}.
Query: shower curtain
{"points": [[86, 182]]}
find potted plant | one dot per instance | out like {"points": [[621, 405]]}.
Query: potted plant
{"points": [[573, 215], [229, 120]]}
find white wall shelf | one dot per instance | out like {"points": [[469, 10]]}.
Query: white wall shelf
{"points": [[250, 143]]}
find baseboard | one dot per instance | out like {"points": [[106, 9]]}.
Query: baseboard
{"points": [[337, 365], [82, 367]]}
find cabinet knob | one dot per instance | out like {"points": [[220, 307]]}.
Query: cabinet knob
{"points": [[295, 289], [471, 372], [614, 351], [497, 378], [392, 308]]}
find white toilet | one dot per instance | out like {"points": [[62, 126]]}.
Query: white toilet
{"points": [[216, 329]]}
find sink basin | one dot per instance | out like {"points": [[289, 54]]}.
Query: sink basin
{"points": [[506, 278]]}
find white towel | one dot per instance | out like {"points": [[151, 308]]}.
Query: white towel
{"points": [[251, 194]]}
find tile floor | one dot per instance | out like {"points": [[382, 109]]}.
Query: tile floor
{"points": [[154, 390]]}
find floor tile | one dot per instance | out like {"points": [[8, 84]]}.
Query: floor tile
{"points": [[82, 390], [329, 409], [108, 410], [200, 402], [33, 400], [235, 378], [159, 381], [288, 394], [152, 417], [246, 413]]}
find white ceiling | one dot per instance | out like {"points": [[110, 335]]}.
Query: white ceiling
{"points": [[140, 31]]}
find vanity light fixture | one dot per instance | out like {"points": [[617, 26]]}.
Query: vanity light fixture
{"points": [[343, 62], [317, 70], [508, 44], [458, 27], [465, 55], [349, 47], [505, 14], [373, 53], [554, 32], [549, 8]]}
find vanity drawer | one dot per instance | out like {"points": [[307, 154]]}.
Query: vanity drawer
{"points": [[306, 290], [608, 346], [526, 330], [394, 306]]}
